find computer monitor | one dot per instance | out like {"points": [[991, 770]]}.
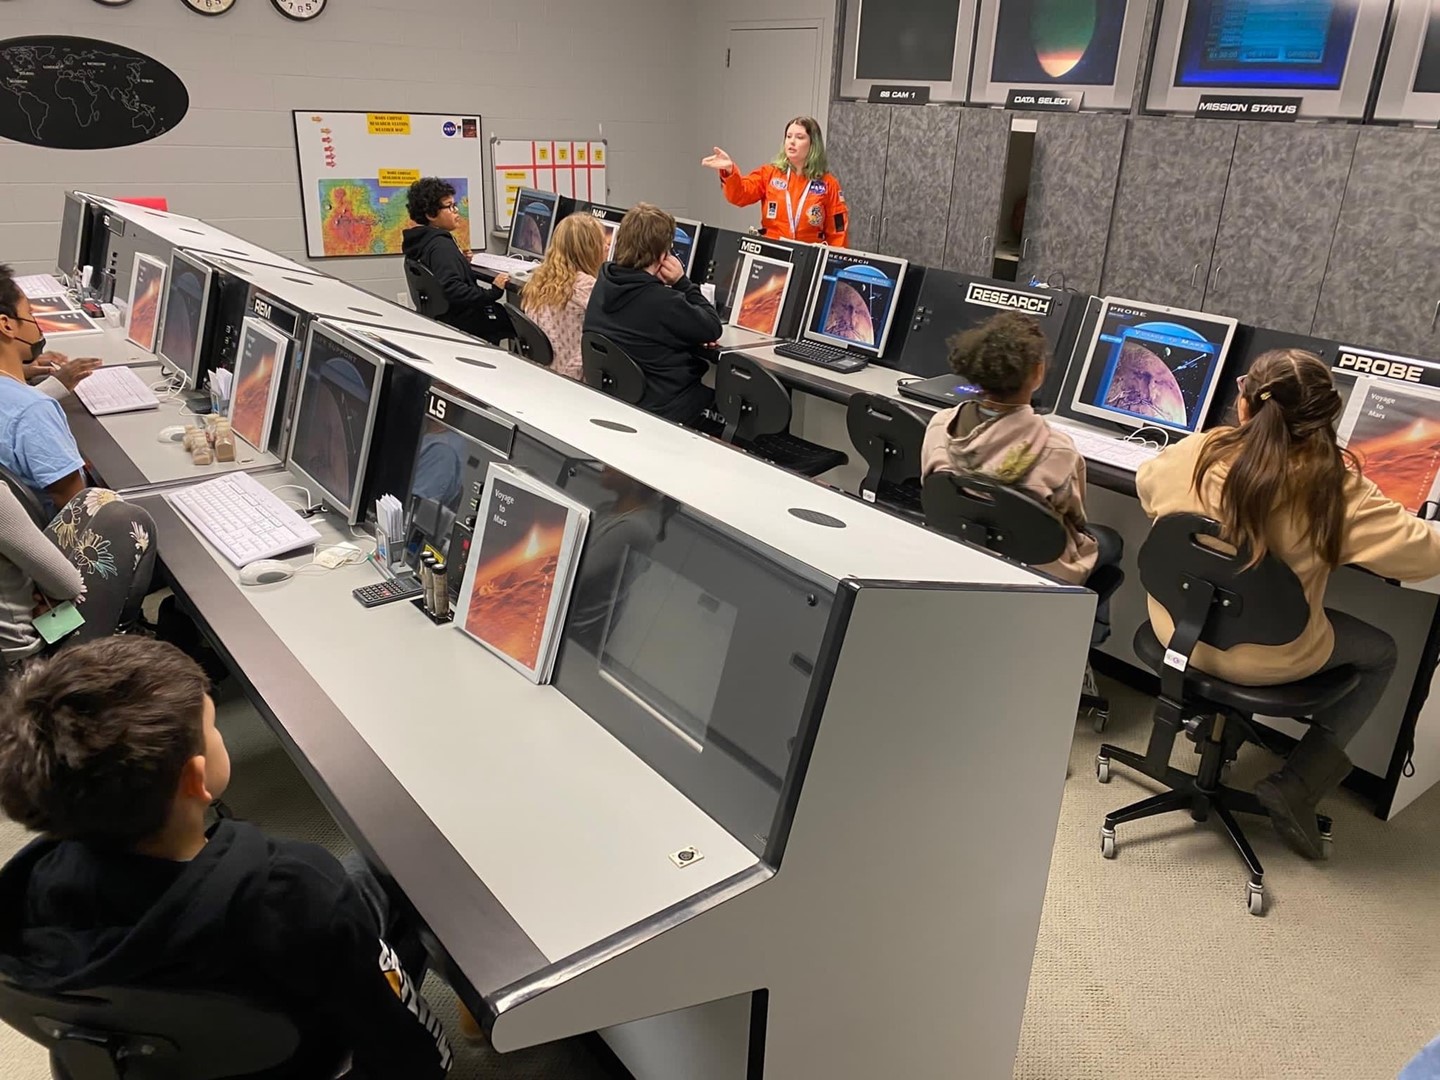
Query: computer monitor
{"points": [[75, 226], [340, 386], [687, 236], [853, 300], [1152, 366], [1410, 87], [1322, 51], [184, 318], [536, 213]]}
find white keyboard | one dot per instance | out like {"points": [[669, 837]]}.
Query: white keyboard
{"points": [[37, 285], [115, 390], [503, 264], [243, 519], [1096, 446]]}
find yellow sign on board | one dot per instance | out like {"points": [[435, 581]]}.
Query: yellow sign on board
{"points": [[388, 123], [398, 177]]}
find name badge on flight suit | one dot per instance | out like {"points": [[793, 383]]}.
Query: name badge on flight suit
{"points": [[772, 210]]}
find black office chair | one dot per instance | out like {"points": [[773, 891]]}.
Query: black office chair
{"points": [[425, 292], [756, 410], [609, 368], [529, 340], [889, 436], [1213, 599], [110, 1034], [26, 496], [1015, 524]]}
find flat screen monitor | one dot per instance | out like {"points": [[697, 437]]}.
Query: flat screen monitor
{"points": [[853, 300], [184, 319], [1410, 86], [1152, 366], [920, 43], [1322, 51], [536, 213], [1091, 48], [340, 385], [74, 235], [687, 242]]}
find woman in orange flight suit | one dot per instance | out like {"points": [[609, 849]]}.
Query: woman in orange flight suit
{"points": [[800, 199]]}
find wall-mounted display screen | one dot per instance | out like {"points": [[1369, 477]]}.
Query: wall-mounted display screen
{"points": [[1093, 47], [1410, 86], [907, 43]]}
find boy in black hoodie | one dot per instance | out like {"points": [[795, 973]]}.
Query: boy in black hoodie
{"points": [[110, 749], [474, 308], [645, 304]]}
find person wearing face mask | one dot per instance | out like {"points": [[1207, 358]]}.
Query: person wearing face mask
{"points": [[800, 198], [35, 440]]}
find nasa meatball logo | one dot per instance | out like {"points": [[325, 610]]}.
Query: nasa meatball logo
{"points": [[1008, 300], [451, 129], [1384, 366], [817, 187]]}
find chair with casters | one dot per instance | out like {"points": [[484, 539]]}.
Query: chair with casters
{"points": [[1015, 524], [755, 407], [611, 369], [425, 291], [26, 496], [1214, 599], [113, 1033], [889, 436], [529, 341]]}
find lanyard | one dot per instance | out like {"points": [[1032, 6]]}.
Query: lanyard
{"points": [[790, 207]]}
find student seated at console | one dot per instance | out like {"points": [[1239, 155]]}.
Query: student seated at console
{"points": [[645, 304], [558, 290], [1279, 483], [101, 558], [109, 749], [474, 308], [35, 440], [1000, 436]]}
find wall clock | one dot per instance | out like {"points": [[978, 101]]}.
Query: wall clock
{"points": [[299, 10], [209, 7]]}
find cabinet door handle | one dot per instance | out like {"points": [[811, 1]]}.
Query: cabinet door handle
{"points": [[1024, 248], [985, 249], [1215, 282], [1194, 273], [1435, 314]]}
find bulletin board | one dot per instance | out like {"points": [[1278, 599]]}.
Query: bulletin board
{"points": [[574, 169], [355, 168]]}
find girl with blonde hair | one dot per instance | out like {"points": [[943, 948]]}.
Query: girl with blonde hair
{"points": [[559, 288]]}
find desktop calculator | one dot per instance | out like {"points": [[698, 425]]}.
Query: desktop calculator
{"points": [[387, 592]]}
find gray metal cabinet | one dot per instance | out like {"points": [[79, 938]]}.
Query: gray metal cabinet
{"points": [[1382, 287], [1281, 207], [979, 182], [859, 138], [918, 169], [1072, 192], [1167, 210]]}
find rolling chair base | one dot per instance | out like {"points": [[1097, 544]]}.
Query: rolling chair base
{"points": [[1199, 795]]}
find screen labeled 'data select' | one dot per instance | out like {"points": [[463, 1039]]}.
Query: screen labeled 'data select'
{"points": [[1153, 366]]}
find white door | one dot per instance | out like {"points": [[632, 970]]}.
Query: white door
{"points": [[773, 76]]}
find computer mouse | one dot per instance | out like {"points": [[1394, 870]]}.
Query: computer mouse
{"points": [[266, 572], [171, 434]]}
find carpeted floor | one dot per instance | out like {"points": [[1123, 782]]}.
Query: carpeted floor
{"points": [[1146, 967]]}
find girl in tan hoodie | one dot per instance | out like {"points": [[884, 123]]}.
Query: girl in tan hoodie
{"points": [[1280, 483], [1001, 437]]}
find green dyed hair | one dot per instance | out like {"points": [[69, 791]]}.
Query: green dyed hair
{"points": [[816, 164]]}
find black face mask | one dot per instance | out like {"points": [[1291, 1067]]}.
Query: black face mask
{"points": [[37, 348]]}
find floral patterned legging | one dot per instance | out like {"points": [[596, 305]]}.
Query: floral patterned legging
{"points": [[112, 544]]}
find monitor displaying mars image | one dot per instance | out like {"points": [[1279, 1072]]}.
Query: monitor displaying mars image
{"points": [[1070, 42], [762, 296], [531, 229], [857, 304], [1144, 386]]}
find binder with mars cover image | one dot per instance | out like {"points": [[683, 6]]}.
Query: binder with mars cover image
{"points": [[1394, 430], [527, 543], [760, 294]]}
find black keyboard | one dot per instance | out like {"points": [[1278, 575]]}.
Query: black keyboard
{"points": [[826, 356]]}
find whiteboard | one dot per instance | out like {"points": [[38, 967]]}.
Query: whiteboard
{"points": [[574, 169], [355, 168]]}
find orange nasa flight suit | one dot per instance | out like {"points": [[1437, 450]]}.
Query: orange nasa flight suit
{"points": [[817, 206]]}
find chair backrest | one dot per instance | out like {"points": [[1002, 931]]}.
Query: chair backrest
{"points": [[1209, 593], [1007, 520], [610, 368], [529, 340], [425, 292], [752, 401], [26, 496], [109, 1033], [889, 436]]}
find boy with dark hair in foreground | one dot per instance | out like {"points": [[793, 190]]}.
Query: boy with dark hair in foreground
{"points": [[110, 750]]}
